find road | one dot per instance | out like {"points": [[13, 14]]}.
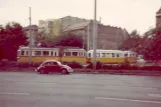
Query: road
{"points": [[27, 89]]}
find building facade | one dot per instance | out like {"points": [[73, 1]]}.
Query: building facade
{"points": [[108, 37], [158, 18], [54, 27]]}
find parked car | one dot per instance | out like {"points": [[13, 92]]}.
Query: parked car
{"points": [[53, 66]]}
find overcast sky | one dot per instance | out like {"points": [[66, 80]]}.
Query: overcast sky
{"points": [[129, 14]]}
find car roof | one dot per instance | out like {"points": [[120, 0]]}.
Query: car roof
{"points": [[51, 61]]}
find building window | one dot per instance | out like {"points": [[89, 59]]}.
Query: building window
{"points": [[45, 53]]}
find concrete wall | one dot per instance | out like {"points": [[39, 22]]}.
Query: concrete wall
{"points": [[158, 18], [67, 21], [108, 37]]}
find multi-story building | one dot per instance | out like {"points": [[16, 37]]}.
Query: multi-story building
{"points": [[158, 18], [53, 27], [108, 37]]}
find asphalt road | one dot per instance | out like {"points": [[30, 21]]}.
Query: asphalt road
{"points": [[28, 89]]}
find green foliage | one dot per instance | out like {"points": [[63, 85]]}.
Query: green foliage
{"points": [[154, 50], [149, 45], [66, 40], [70, 40], [132, 42], [11, 37]]}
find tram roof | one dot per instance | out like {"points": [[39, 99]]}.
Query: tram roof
{"points": [[103, 50], [43, 48]]}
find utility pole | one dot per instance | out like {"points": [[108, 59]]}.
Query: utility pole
{"points": [[94, 35], [88, 37], [30, 42]]}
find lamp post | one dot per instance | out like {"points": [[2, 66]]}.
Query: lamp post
{"points": [[94, 35]]}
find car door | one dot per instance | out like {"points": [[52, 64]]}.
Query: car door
{"points": [[55, 67], [46, 66]]}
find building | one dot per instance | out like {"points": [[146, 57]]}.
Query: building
{"points": [[158, 18], [108, 37], [53, 27]]}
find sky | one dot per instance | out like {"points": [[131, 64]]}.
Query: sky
{"points": [[128, 14]]}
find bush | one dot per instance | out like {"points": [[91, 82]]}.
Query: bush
{"points": [[73, 64], [23, 65], [36, 64], [99, 65]]}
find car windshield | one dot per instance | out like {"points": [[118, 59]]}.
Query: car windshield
{"points": [[59, 63]]}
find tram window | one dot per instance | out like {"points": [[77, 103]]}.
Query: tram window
{"points": [[51, 53], [103, 54], [80, 54], [84, 54], [126, 55], [45, 53], [22, 52], [75, 53], [55, 53], [98, 55], [118, 55], [68, 53], [89, 54], [18, 53], [113, 55], [107, 55], [27, 53], [37, 53]]}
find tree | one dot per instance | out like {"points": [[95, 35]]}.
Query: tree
{"points": [[70, 40], [154, 50], [132, 42], [12, 36]]}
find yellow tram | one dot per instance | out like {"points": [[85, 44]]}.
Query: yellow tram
{"points": [[42, 54], [112, 56], [76, 55]]}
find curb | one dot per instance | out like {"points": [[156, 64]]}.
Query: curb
{"points": [[88, 71]]}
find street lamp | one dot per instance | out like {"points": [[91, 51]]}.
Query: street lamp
{"points": [[94, 35]]}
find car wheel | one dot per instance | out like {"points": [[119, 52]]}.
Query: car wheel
{"points": [[42, 71], [64, 71]]}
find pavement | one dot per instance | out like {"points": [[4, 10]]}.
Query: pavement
{"points": [[29, 89]]}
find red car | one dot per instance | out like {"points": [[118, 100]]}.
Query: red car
{"points": [[53, 66]]}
